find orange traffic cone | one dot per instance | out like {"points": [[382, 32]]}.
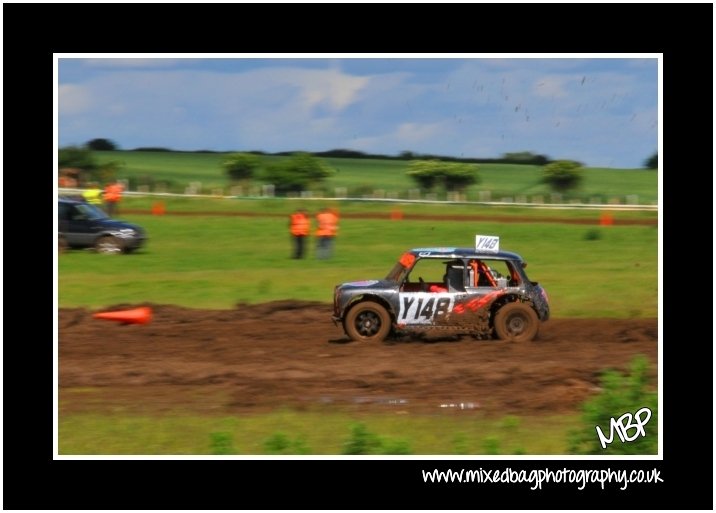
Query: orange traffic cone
{"points": [[606, 219], [135, 316], [158, 208]]}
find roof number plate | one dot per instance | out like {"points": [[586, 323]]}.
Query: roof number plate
{"points": [[487, 243]]}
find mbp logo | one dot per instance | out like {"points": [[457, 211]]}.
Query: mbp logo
{"points": [[623, 424]]}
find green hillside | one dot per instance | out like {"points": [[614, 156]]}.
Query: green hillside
{"points": [[381, 178]]}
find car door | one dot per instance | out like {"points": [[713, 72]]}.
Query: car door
{"points": [[81, 231], [431, 294]]}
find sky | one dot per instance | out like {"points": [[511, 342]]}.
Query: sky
{"points": [[602, 111]]}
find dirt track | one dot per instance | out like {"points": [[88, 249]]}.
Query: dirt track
{"points": [[288, 353]]}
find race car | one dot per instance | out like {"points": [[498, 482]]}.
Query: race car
{"points": [[480, 291]]}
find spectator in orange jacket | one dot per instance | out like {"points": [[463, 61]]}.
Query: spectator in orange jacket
{"points": [[112, 197], [326, 233], [300, 226]]}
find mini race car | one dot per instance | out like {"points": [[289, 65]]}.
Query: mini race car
{"points": [[481, 291]]}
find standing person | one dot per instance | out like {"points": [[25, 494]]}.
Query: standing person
{"points": [[93, 194], [112, 197], [327, 229], [299, 226]]}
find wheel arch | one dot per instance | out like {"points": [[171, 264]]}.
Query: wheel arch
{"points": [[510, 298], [362, 298]]}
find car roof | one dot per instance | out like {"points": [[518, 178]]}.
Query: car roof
{"points": [[463, 253], [69, 200]]}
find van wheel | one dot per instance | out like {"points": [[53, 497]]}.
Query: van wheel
{"points": [[61, 244], [367, 322], [516, 322], [109, 245]]}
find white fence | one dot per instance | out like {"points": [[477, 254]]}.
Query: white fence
{"points": [[517, 201]]}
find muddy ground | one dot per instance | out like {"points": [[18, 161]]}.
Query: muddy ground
{"points": [[289, 354]]}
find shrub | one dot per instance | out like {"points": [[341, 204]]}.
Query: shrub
{"points": [[620, 394], [222, 443], [363, 441], [593, 234], [280, 443]]}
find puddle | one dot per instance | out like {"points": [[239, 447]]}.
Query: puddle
{"points": [[460, 406], [388, 401]]}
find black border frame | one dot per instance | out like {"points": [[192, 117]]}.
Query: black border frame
{"points": [[32, 33]]}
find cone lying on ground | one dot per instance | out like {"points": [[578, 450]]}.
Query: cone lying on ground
{"points": [[140, 315]]}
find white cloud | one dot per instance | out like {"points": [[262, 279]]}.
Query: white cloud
{"points": [[414, 133], [329, 88], [73, 99]]}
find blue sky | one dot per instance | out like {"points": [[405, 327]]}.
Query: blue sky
{"points": [[600, 111]]}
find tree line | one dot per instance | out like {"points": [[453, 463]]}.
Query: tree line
{"points": [[301, 171]]}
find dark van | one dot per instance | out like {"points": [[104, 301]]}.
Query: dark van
{"points": [[82, 225]]}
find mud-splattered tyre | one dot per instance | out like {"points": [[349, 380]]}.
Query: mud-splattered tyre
{"points": [[109, 245], [516, 322], [367, 322]]}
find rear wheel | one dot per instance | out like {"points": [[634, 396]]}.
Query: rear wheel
{"points": [[61, 244], [367, 321], [109, 245], [516, 322]]}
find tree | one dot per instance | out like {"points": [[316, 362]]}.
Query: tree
{"points": [[77, 163], [525, 157], [563, 175], [77, 157], [81, 158], [425, 173], [459, 177], [450, 175], [297, 174], [101, 145], [241, 166], [652, 162]]}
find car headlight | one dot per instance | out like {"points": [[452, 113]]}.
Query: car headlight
{"points": [[126, 233]]}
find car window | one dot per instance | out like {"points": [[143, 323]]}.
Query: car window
{"points": [[89, 212], [429, 269], [492, 273]]}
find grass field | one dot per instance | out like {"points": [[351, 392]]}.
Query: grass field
{"points": [[318, 432], [363, 176], [218, 261]]}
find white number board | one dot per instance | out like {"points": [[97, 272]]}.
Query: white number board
{"points": [[424, 307], [487, 243]]}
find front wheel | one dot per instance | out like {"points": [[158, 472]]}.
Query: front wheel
{"points": [[516, 322], [109, 245], [367, 322]]}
